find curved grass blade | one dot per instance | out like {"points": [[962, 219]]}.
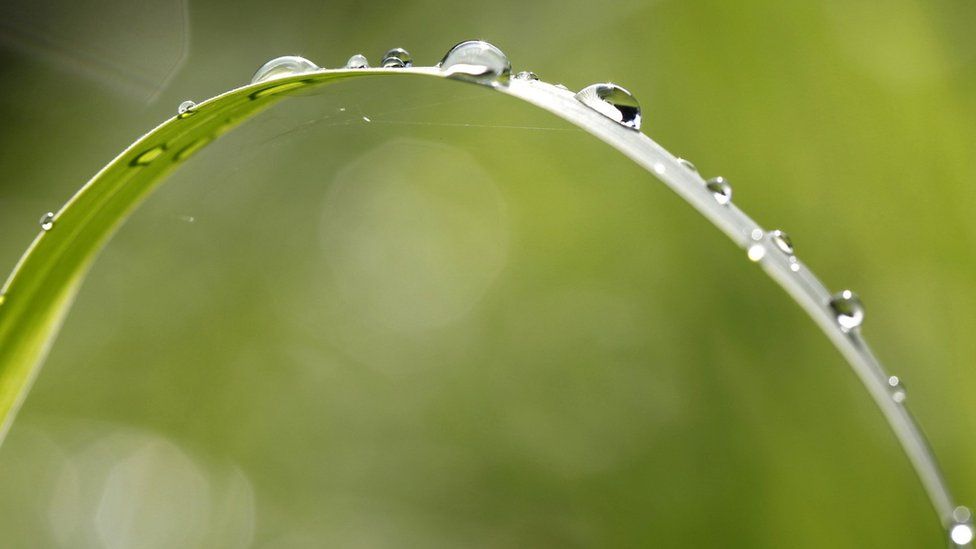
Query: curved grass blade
{"points": [[37, 296]]}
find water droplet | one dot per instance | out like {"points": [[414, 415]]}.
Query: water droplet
{"points": [[756, 252], [782, 241], [280, 67], [357, 61], [794, 264], [720, 189], [687, 164], [186, 109], [614, 102], [366, 119], [848, 309], [272, 90], [148, 155], [47, 221], [526, 75], [397, 58], [961, 531], [477, 60], [659, 168], [898, 393], [757, 234], [962, 514], [562, 87]]}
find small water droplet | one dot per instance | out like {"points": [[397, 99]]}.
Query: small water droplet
{"points": [[614, 102], [961, 531], [757, 234], [782, 241], [756, 252], [687, 164], [562, 87], [47, 221], [186, 109], [397, 58], [477, 60], [357, 61], [280, 67], [720, 189], [898, 392], [848, 309], [147, 156], [794, 264], [962, 514], [659, 168], [526, 75]]}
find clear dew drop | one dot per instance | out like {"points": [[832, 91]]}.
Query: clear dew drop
{"points": [[186, 109], [688, 165], [614, 102], [898, 392], [47, 221], [397, 58], [782, 241], [357, 61], [720, 189], [961, 530], [756, 252], [526, 75], [280, 67], [847, 309], [477, 60]]}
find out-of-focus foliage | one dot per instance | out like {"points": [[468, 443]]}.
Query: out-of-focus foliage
{"points": [[463, 322]]}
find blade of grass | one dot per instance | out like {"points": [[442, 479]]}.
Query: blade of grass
{"points": [[38, 294]]}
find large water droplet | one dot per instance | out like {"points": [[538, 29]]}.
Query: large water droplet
{"points": [[357, 61], [280, 67], [47, 221], [186, 109], [961, 531], [477, 60], [848, 309], [782, 241], [526, 75], [614, 102], [279, 88], [397, 58], [720, 189], [898, 392]]}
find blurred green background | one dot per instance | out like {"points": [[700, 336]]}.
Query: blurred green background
{"points": [[466, 323]]}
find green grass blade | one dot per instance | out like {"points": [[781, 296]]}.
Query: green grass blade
{"points": [[37, 296]]}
